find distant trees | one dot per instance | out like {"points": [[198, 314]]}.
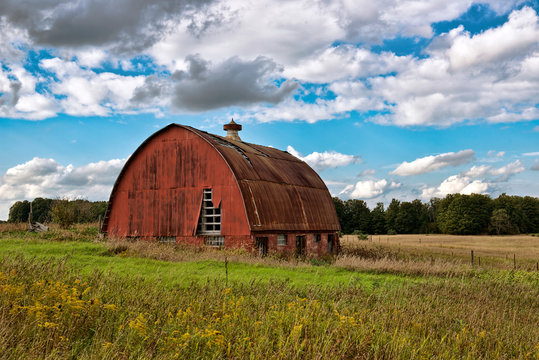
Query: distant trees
{"points": [[62, 211], [454, 214]]}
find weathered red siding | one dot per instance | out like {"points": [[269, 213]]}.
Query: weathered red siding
{"points": [[159, 193]]}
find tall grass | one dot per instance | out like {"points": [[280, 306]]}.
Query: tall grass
{"points": [[47, 310], [56, 308]]}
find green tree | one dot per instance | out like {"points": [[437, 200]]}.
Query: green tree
{"points": [[359, 216], [340, 209], [464, 214], [500, 221], [18, 212], [64, 212], [530, 209], [378, 219], [41, 210], [513, 208], [391, 215]]}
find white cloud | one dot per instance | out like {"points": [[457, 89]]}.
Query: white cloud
{"points": [[535, 153], [464, 184], [455, 184], [367, 172], [325, 160], [369, 188], [508, 170], [535, 166], [514, 37], [478, 171], [434, 90], [493, 153], [47, 178], [433, 162], [89, 93], [345, 61]]}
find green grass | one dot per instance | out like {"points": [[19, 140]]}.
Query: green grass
{"points": [[88, 257], [91, 300]]}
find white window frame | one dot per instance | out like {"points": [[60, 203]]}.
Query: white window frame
{"points": [[216, 241], [209, 222], [282, 240]]}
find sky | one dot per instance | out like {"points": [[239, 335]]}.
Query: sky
{"points": [[402, 99]]}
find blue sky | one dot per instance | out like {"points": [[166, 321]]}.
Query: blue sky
{"points": [[389, 99]]}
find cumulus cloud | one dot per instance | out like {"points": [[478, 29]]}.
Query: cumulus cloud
{"points": [[535, 153], [277, 50], [89, 93], [233, 82], [433, 162], [460, 184], [41, 177], [478, 171], [519, 33], [123, 24], [345, 61], [508, 170], [369, 189], [432, 91], [464, 183], [325, 160]]}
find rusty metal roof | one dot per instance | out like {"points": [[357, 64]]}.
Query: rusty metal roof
{"points": [[280, 192]]}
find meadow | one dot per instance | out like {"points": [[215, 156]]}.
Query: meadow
{"points": [[68, 294]]}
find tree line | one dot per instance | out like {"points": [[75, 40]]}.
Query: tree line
{"points": [[61, 211], [455, 214]]}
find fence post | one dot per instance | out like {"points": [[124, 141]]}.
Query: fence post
{"points": [[472, 256], [514, 261]]}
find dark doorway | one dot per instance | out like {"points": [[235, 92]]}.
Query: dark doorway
{"points": [[300, 245], [262, 245], [331, 243]]}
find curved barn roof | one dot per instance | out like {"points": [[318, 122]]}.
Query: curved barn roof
{"points": [[280, 192]]}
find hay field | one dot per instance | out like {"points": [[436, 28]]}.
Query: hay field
{"points": [[492, 251]]}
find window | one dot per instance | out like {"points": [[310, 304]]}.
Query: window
{"points": [[210, 217], [215, 241], [167, 239], [317, 238], [281, 240]]}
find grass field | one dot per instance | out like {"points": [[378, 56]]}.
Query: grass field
{"points": [[90, 299], [504, 252]]}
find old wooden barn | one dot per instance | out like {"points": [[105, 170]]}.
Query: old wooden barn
{"points": [[186, 186]]}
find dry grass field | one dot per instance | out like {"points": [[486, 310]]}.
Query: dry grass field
{"points": [[502, 252]]}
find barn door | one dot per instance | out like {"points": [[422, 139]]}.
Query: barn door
{"points": [[300, 245], [262, 245], [331, 243]]}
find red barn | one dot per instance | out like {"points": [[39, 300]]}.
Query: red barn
{"points": [[186, 186]]}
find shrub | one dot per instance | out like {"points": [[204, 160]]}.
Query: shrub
{"points": [[64, 213]]}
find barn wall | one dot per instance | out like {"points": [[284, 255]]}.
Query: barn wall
{"points": [[160, 190], [312, 248]]}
